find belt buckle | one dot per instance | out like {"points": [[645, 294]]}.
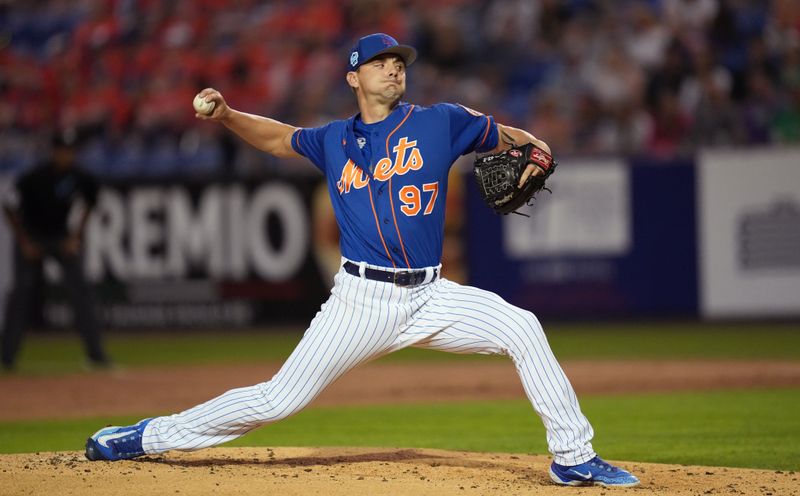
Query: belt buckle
{"points": [[407, 273]]}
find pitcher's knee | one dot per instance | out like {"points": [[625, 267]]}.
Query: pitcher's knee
{"points": [[534, 321], [271, 405], [530, 332]]}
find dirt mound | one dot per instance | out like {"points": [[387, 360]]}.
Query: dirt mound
{"points": [[349, 471]]}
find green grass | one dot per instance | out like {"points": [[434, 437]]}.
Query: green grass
{"points": [[753, 428], [62, 352], [679, 340]]}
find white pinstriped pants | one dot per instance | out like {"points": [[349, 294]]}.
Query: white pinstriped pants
{"points": [[363, 320]]}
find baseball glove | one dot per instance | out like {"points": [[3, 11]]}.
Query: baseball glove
{"points": [[498, 177]]}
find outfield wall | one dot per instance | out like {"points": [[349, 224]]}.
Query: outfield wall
{"points": [[719, 238], [715, 238], [611, 241]]}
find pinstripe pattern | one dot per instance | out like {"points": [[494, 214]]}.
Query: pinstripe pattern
{"points": [[464, 319], [363, 320]]}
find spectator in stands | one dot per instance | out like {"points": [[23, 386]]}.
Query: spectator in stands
{"points": [[122, 69]]}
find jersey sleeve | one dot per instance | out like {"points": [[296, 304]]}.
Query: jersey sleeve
{"points": [[310, 143], [470, 131]]}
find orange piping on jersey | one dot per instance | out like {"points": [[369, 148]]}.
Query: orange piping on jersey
{"points": [[298, 132], [378, 225], [391, 200], [485, 133]]}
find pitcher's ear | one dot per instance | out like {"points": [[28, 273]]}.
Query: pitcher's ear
{"points": [[352, 79]]}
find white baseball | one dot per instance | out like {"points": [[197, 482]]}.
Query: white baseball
{"points": [[202, 106]]}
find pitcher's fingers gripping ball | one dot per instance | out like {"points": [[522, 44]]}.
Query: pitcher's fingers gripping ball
{"points": [[201, 106], [209, 105], [501, 181]]}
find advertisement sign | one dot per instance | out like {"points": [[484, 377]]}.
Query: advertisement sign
{"points": [[611, 241], [590, 215], [211, 254], [749, 203]]}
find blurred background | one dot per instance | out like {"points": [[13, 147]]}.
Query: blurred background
{"points": [[676, 123], [658, 78]]}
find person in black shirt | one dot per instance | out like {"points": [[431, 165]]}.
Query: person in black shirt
{"points": [[38, 213]]}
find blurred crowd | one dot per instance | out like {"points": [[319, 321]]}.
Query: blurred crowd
{"points": [[657, 78]]}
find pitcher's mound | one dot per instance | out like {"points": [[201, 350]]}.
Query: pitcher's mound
{"points": [[351, 471]]}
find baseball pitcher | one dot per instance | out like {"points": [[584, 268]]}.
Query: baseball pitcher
{"points": [[386, 170]]}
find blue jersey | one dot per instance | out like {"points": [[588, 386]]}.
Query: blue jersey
{"points": [[388, 180]]}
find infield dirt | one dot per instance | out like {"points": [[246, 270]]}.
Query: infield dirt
{"points": [[151, 391]]}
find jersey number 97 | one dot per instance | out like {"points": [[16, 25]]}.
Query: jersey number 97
{"points": [[412, 198]]}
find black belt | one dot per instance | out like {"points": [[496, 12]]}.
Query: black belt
{"points": [[401, 278]]}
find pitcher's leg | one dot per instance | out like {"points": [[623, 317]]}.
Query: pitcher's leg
{"points": [[340, 337], [477, 321]]}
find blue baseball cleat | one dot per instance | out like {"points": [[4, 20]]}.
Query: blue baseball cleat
{"points": [[116, 443], [594, 472]]}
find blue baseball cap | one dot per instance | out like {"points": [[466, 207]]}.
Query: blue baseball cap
{"points": [[372, 45]]}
